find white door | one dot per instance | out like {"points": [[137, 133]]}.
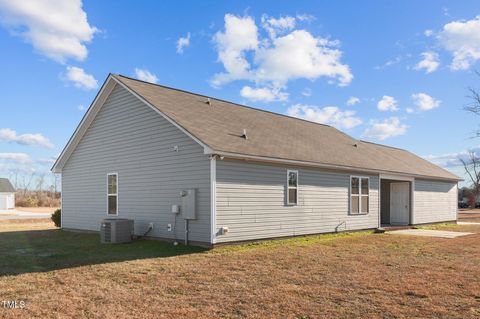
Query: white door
{"points": [[11, 201], [399, 203]]}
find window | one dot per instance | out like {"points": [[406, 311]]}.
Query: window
{"points": [[112, 194], [292, 187], [359, 192]]}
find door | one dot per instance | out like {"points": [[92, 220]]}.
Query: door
{"points": [[400, 203]]}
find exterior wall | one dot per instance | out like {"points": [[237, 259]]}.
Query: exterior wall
{"points": [[7, 200], [434, 201], [251, 202], [129, 138]]}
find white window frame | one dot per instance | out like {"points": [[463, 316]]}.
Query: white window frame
{"points": [[289, 187], [359, 195], [108, 194]]}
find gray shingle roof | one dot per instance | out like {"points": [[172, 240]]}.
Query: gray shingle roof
{"points": [[270, 135], [6, 186]]}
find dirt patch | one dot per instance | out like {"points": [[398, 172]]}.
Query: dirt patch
{"points": [[358, 276]]}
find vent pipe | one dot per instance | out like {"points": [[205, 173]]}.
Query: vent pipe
{"points": [[244, 135], [208, 101]]}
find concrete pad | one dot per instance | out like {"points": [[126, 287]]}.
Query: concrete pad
{"points": [[467, 223], [429, 233]]}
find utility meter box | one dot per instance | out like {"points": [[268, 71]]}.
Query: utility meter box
{"points": [[189, 204]]}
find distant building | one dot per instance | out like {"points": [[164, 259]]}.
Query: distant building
{"points": [[7, 194]]}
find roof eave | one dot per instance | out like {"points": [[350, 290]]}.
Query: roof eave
{"points": [[323, 165]]}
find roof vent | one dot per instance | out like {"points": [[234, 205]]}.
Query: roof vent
{"points": [[244, 135], [208, 101], [355, 145]]}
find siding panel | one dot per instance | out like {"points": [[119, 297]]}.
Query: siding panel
{"points": [[129, 138], [434, 201], [251, 202]]}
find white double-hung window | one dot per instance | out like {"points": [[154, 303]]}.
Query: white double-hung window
{"points": [[359, 195], [292, 187], [112, 194]]}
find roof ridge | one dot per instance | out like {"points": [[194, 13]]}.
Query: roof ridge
{"points": [[230, 102]]}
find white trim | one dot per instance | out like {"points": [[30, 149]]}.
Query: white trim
{"points": [[207, 149], [288, 187], [360, 177], [412, 202], [85, 123], [266, 159], [397, 177], [116, 194], [213, 199]]}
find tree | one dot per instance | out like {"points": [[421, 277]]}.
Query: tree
{"points": [[474, 105], [472, 168]]}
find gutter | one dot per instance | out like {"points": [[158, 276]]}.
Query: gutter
{"points": [[265, 159]]}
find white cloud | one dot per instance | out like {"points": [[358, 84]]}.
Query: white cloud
{"points": [[307, 92], [240, 35], [182, 43], [330, 115], [80, 79], [462, 39], [428, 33], [387, 128], [263, 94], [20, 158], [277, 26], [81, 108], [353, 100], [56, 29], [300, 55], [305, 17], [409, 110], [275, 60], [429, 63], [9, 135], [145, 75], [424, 101], [450, 160], [387, 103]]}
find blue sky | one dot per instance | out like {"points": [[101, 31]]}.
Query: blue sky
{"points": [[394, 72]]}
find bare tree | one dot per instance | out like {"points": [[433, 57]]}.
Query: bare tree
{"points": [[472, 168], [474, 105]]}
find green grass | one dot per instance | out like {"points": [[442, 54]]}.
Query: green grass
{"points": [[326, 239], [31, 251], [46, 250]]}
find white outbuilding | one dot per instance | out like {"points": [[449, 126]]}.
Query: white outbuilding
{"points": [[7, 194]]}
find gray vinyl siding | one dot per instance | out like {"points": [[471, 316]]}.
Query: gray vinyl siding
{"points": [[129, 138], [434, 201], [251, 202]]}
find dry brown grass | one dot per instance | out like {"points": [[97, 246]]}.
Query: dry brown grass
{"points": [[346, 276]]}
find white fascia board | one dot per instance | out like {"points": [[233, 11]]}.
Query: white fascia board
{"points": [[373, 172]]}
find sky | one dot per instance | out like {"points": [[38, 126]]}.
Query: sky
{"points": [[390, 72]]}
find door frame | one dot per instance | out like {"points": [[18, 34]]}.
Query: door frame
{"points": [[400, 178]]}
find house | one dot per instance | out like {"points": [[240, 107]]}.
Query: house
{"points": [[7, 194], [142, 149]]}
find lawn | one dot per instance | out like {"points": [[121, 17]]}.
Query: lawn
{"points": [[63, 274]]}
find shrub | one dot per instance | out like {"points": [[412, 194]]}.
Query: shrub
{"points": [[57, 217]]}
